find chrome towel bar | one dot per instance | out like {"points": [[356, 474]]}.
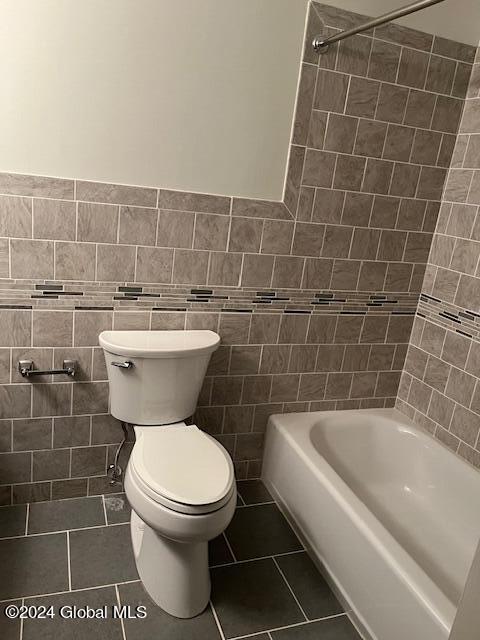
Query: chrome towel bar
{"points": [[25, 367]]}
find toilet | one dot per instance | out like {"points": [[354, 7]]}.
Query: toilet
{"points": [[179, 480]]}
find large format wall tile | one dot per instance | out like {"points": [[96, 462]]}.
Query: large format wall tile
{"points": [[440, 385], [268, 361]]}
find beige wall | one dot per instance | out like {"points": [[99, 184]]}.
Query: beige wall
{"points": [[455, 19], [186, 95]]}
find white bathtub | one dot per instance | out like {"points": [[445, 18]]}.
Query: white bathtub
{"points": [[390, 513]]}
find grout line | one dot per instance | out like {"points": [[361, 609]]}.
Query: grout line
{"points": [[399, 64], [347, 95], [76, 220], [32, 215], [104, 509], [135, 262], [434, 111], [9, 257], [290, 626], [427, 74], [52, 439], [59, 593], [229, 233], [277, 555], [80, 446], [217, 621], [70, 460], [69, 562], [290, 589], [120, 604], [54, 533], [229, 547], [369, 61], [194, 230], [21, 621], [26, 517], [117, 234], [31, 452], [255, 504]]}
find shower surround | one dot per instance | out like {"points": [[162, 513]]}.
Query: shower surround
{"points": [[313, 297], [440, 387]]}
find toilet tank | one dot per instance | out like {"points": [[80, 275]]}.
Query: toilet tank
{"points": [[156, 376]]}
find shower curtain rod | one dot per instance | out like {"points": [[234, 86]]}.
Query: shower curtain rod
{"points": [[320, 42]]}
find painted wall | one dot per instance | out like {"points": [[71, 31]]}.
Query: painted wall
{"points": [[455, 19], [190, 95], [194, 96]]}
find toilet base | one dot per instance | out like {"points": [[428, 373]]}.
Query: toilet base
{"points": [[174, 574]]}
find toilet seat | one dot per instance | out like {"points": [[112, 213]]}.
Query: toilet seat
{"points": [[182, 468]]}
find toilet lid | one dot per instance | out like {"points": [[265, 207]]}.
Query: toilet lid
{"points": [[181, 463]]}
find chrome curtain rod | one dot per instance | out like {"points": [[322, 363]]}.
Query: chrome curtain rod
{"points": [[320, 43]]}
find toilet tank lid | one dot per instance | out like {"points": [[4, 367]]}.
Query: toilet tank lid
{"points": [[159, 344]]}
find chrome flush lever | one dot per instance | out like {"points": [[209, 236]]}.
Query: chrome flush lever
{"points": [[123, 365]]}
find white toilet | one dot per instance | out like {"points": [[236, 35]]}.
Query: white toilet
{"points": [[179, 480]]}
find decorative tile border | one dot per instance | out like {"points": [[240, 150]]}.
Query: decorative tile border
{"points": [[67, 295], [462, 321]]}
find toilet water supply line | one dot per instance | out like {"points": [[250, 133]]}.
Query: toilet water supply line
{"points": [[114, 470]]}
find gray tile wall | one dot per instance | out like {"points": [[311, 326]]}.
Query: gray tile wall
{"points": [[56, 437], [313, 297], [376, 124], [440, 387]]}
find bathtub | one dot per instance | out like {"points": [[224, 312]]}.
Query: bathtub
{"points": [[389, 514]]}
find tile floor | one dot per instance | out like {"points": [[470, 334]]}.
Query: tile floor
{"points": [[78, 552]]}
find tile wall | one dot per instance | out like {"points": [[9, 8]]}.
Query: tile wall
{"points": [[440, 387], [313, 297]]}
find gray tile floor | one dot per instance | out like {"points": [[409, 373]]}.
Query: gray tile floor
{"points": [[77, 552]]}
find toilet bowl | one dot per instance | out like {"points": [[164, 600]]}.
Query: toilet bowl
{"points": [[181, 487], [179, 480]]}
